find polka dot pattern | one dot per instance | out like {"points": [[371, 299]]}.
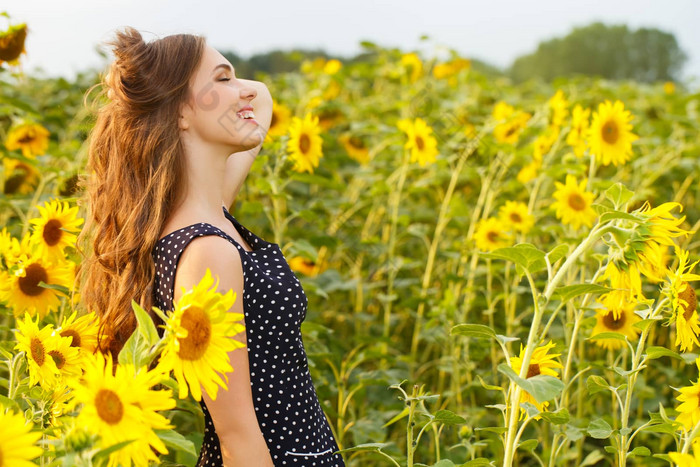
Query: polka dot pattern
{"points": [[286, 404]]}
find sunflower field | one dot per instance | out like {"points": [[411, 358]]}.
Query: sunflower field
{"points": [[497, 274]]}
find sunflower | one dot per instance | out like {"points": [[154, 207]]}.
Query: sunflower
{"points": [[303, 265], [31, 138], [626, 281], [305, 143], [689, 410], [9, 247], [669, 87], [55, 229], [198, 337], [490, 234], [529, 171], [662, 224], [332, 66], [82, 331], [330, 116], [413, 64], [12, 43], [509, 131], [20, 178], [541, 363], [355, 147], [59, 400], [22, 291], [68, 359], [579, 129], [451, 68], [121, 406], [559, 109], [18, 447], [687, 460], [610, 136], [573, 203], [37, 343], [543, 143], [332, 91], [616, 320], [279, 123], [516, 215], [684, 302], [652, 261], [421, 142]]}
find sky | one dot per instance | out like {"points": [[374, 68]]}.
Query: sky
{"points": [[63, 36]]}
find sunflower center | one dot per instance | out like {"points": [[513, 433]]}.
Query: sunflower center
{"points": [[27, 138], [273, 119], [37, 349], [356, 142], [515, 217], [614, 323], [109, 406], [610, 132], [29, 284], [75, 335], [510, 131], [52, 232], [576, 202], [198, 326], [304, 143], [492, 236], [691, 299], [420, 144], [533, 370], [58, 358]]}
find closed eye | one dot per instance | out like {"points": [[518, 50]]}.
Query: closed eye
{"points": [[225, 79]]}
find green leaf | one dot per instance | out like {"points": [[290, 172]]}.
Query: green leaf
{"points": [[473, 330], [640, 451], [557, 253], [542, 387], [618, 194], [134, 351], [176, 441], [608, 335], [530, 409], [60, 288], [103, 454], [528, 445], [612, 215], [593, 458], [449, 418], [525, 255], [366, 447], [489, 386], [654, 352], [599, 429], [444, 463], [146, 326], [478, 462], [397, 417], [567, 292], [596, 384], [559, 417]]}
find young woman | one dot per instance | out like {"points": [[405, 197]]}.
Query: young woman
{"points": [[168, 154]]}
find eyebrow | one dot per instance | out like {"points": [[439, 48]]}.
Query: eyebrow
{"points": [[222, 65]]}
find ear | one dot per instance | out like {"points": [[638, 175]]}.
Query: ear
{"points": [[183, 123]]}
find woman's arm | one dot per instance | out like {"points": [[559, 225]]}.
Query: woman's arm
{"points": [[233, 413], [238, 164]]}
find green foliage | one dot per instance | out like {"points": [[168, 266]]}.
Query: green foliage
{"points": [[613, 52]]}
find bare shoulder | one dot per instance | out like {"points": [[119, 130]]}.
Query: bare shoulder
{"points": [[217, 254]]}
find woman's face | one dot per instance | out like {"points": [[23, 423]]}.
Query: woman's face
{"points": [[213, 114]]}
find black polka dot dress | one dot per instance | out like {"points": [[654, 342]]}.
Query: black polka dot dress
{"points": [[286, 404]]}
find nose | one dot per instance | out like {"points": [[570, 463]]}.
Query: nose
{"points": [[248, 92]]}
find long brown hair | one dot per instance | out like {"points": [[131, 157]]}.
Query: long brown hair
{"points": [[134, 170]]}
